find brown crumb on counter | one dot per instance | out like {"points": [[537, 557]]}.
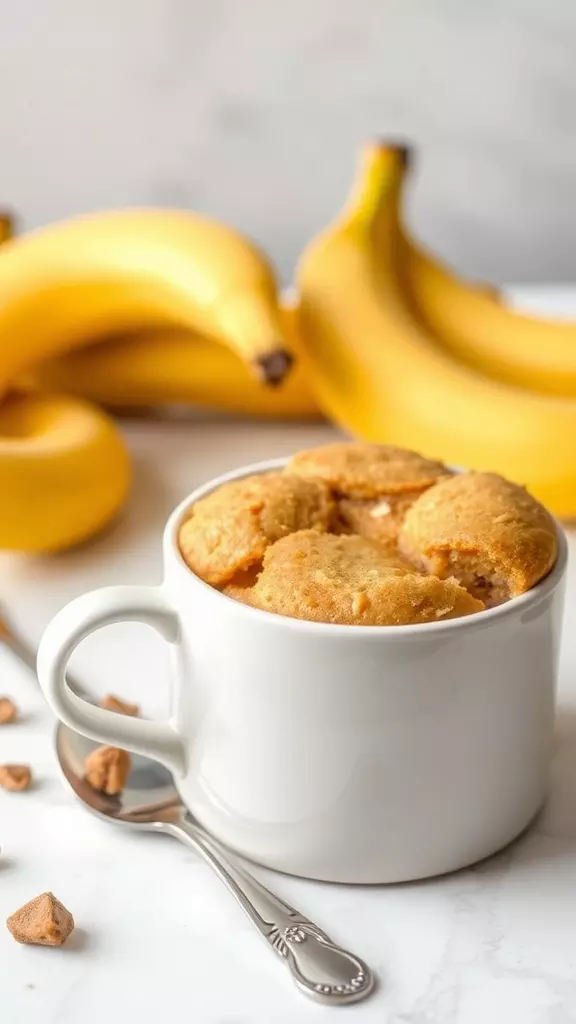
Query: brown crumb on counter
{"points": [[107, 769], [122, 707], [8, 710], [15, 777], [44, 921]]}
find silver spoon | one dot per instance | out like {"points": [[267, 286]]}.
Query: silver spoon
{"points": [[150, 802]]}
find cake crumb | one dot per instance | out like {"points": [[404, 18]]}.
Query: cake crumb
{"points": [[107, 769], [112, 703], [15, 777], [44, 921], [383, 508], [359, 603], [8, 710]]}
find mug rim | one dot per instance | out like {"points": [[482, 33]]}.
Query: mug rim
{"points": [[477, 620]]}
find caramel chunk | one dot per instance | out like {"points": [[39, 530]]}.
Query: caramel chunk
{"points": [[8, 710], [15, 777], [112, 703], [107, 768], [44, 921]]}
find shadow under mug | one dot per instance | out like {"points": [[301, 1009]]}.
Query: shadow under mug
{"points": [[342, 753]]}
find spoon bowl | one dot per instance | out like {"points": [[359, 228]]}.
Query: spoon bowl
{"points": [[149, 798]]}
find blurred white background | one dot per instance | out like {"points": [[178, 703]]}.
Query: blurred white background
{"points": [[253, 110]]}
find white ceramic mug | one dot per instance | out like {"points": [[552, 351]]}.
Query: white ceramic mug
{"points": [[344, 753]]}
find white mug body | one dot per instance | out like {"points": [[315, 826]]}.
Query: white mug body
{"points": [[347, 753]]}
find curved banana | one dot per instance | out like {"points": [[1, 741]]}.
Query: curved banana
{"points": [[162, 366], [472, 321], [85, 278], [63, 468], [380, 373], [64, 471]]}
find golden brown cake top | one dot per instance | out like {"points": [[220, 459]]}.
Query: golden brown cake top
{"points": [[349, 580], [358, 533], [230, 529], [362, 470], [483, 525]]}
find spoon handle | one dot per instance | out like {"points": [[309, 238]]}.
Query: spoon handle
{"points": [[321, 969]]}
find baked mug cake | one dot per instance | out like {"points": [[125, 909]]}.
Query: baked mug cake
{"points": [[370, 535], [414, 743]]}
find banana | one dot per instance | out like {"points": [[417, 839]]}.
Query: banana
{"points": [[162, 366], [380, 372], [116, 272], [64, 471], [473, 323]]}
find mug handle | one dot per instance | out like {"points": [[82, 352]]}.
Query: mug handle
{"points": [[79, 618]]}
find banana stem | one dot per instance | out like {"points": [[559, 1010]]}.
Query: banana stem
{"points": [[381, 171], [7, 226]]}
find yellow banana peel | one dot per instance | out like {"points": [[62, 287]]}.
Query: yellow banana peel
{"points": [[113, 272], [473, 323], [64, 470], [163, 366], [379, 371]]}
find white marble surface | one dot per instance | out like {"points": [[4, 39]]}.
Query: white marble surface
{"points": [[156, 934], [253, 110]]}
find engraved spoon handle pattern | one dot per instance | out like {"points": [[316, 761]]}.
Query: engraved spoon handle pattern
{"points": [[320, 968]]}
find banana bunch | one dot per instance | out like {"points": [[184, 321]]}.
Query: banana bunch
{"points": [[143, 307], [400, 350], [197, 307]]}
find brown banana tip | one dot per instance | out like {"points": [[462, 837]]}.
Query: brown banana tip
{"points": [[405, 150], [273, 367], [7, 225]]}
